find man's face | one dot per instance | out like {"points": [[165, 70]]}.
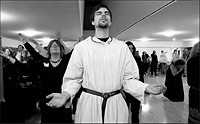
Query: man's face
{"points": [[102, 18]]}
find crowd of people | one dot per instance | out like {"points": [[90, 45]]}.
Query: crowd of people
{"points": [[32, 75], [96, 80]]}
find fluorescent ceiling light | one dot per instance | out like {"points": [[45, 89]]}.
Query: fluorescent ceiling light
{"points": [[45, 39], [170, 33], [193, 39], [145, 39], [29, 32], [6, 16]]}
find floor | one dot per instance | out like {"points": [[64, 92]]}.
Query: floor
{"points": [[157, 108]]}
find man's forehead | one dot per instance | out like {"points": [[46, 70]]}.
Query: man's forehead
{"points": [[102, 9]]}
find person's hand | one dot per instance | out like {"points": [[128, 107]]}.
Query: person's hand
{"points": [[155, 89], [2, 54], [58, 100], [58, 35], [23, 38], [38, 106]]}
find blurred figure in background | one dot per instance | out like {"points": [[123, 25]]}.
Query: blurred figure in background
{"points": [[130, 100], [154, 63], [145, 60], [173, 81], [193, 82], [137, 58], [19, 52], [28, 81], [185, 56], [163, 62], [12, 111], [175, 55], [25, 57]]}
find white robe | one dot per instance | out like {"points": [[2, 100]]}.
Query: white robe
{"points": [[103, 67]]}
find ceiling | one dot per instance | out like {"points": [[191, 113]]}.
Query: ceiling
{"points": [[132, 20]]}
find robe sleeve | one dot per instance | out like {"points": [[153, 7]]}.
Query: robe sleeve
{"points": [[72, 79], [131, 83]]}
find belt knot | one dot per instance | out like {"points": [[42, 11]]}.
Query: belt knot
{"points": [[105, 95]]}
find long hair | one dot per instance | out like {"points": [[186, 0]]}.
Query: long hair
{"points": [[25, 57], [134, 48], [59, 44]]}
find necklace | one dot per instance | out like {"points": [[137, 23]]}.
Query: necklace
{"points": [[55, 61]]}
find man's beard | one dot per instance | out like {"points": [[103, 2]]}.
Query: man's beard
{"points": [[103, 25]]}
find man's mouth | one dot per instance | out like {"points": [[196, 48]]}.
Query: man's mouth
{"points": [[103, 19]]}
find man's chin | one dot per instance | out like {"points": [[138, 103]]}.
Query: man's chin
{"points": [[103, 26]]}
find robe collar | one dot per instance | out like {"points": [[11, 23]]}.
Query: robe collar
{"points": [[95, 39]]}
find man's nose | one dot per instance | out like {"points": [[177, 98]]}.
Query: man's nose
{"points": [[104, 14]]}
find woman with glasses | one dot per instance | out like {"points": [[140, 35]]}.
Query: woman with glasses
{"points": [[51, 71]]}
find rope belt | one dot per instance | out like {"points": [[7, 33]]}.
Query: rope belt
{"points": [[105, 97]]}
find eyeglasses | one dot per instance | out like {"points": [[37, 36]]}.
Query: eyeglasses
{"points": [[55, 46]]}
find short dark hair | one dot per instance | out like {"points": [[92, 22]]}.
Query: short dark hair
{"points": [[59, 44], [97, 8]]}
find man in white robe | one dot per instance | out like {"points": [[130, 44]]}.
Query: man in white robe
{"points": [[102, 64]]}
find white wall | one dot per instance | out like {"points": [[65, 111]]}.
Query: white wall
{"points": [[10, 42], [153, 44], [189, 43], [6, 42]]}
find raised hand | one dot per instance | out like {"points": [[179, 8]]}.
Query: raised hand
{"points": [[23, 38], [155, 89], [58, 100], [58, 35], [2, 54]]}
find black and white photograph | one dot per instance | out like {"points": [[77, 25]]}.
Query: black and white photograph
{"points": [[99, 61]]}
